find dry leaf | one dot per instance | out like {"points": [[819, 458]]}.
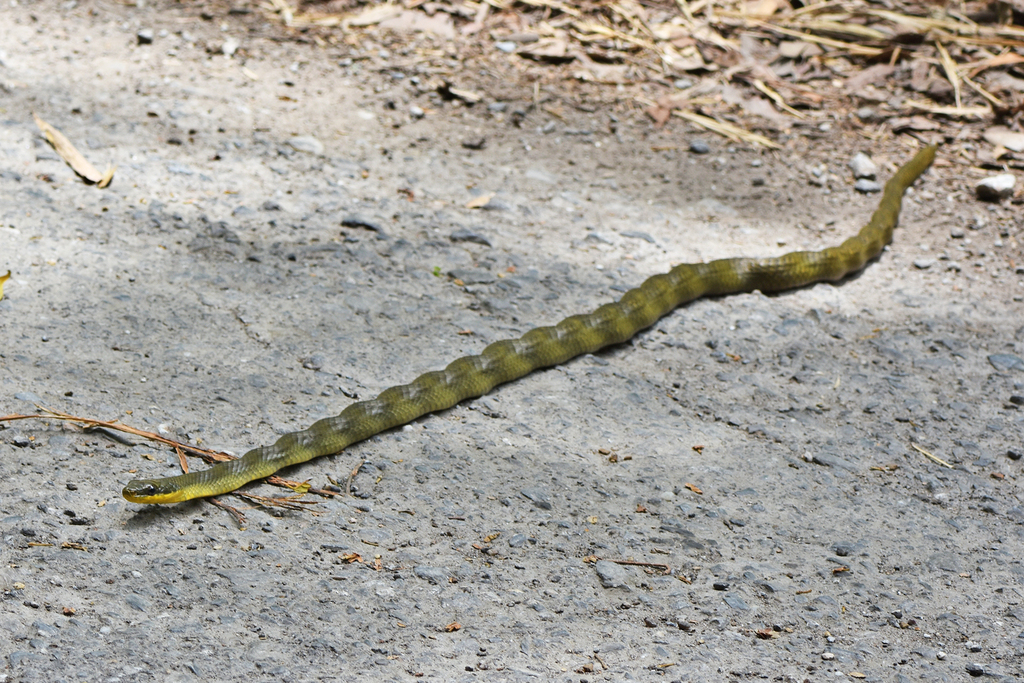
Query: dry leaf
{"points": [[411, 21], [547, 50], [3, 278], [78, 163], [1004, 137], [374, 15], [481, 201], [693, 488], [454, 626]]}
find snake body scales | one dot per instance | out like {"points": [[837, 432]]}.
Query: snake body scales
{"points": [[506, 360]]}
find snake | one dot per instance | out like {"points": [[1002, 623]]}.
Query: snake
{"points": [[509, 359]]}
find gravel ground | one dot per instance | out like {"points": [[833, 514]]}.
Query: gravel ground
{"points": [[282, 238]]}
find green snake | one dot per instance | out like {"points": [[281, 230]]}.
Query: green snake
{"points": [[509, 359]]}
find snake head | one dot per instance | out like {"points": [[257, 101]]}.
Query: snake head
{"points": [[151, 491]]}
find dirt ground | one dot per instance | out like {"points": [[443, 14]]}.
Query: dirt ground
{"points": [[284, 233]]}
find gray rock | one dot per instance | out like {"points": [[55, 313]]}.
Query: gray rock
{"points": [[28, 396], [699, 146], [470, 276], [612, 575], [735, 601], [354, 220], [541, 176], [957, 233], [306, 143], [863, 167], [538, 496], [506, 46], [1006, 361], [924, 263], [996, 188], [866, 114], [144, 36], [517, 540], [464, 235], [635, 234], [435, 575]]}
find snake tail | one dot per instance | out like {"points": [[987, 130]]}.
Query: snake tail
{"points": [[510, 359]]}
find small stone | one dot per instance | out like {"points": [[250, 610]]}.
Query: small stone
{"points": [[972, 646], [975, 669], [863, 166], [683, 83], [843, 548], [435, 575], [271, 205], [866, 114], [548, 127], [940, 655], [1014, 454], [924, 263], [475, 142], [867, 186], [957, 233], [735, 601], [497, 107], [355, 220], [416, 112], [468, 276], [638, 235], [144, 36], [698, 146], [306, 143], [464, 235], [517, 541], [537, 495], [21, 441], [229, 47], [996, 188], [611, 574], [827, 656], [505, 46], [1006, 361], [720, 585]]}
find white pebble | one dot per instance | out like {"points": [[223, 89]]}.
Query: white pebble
{"points": [[996, 187]]}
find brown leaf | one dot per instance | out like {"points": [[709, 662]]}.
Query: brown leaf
{"points": [[78, 163], [454, 626], [693, 488], [3, 278], [481, 201], [554, 50], [1004, 137], [912, 123], [869, 76]]}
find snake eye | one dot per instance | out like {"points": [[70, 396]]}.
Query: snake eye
{"points": [[147, 490]]}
